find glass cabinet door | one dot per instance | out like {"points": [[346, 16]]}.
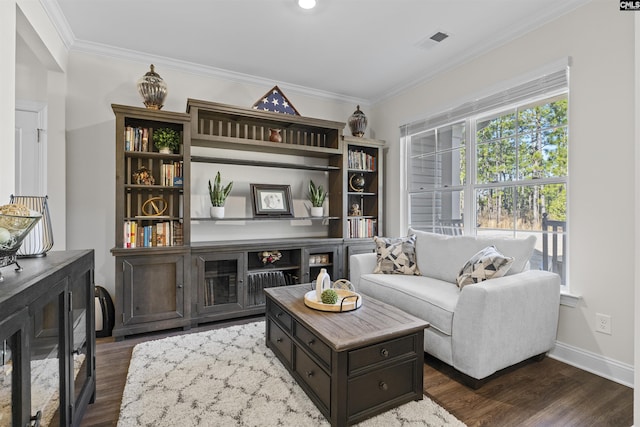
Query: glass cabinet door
{"points": [[14, 383], [82, 343], [327, 257], [47, 358], [220, 282]]}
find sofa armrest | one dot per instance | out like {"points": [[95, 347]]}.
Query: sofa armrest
{"points": [[360, 264], [503, 321]]}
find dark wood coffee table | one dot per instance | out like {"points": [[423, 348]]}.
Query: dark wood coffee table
{"points": [[352, 365]]}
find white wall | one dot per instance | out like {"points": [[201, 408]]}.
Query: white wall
{"points": [[35, 83], [32, 69], [94, 83], [601, 165], [636, 392], [7, 97]]}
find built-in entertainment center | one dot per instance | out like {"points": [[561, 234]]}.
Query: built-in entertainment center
{"points": [[168, 275]]}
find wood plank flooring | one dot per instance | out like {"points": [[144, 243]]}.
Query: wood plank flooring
{"points": [[545, 393]]}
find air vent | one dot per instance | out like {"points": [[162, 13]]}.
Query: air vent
{"points": [[433, 40], [439, 36]]}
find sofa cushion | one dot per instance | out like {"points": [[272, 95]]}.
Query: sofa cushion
{"points": [[484, 265], [396, 255], [441, 256], [429, 299]]}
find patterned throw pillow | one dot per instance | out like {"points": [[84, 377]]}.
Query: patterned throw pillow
{"points": [[396, 256], [486, 264]]}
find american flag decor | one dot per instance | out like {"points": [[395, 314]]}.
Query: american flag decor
{"points": [[275, 101]]}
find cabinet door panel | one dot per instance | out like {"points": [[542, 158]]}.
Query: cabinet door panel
{"points": [[219, 282], [153, 288]]}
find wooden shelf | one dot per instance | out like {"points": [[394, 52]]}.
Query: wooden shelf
{"points": [[236, 128], [258, 163], [275, 267], [269, 218], [152, 155], [242, 144]]}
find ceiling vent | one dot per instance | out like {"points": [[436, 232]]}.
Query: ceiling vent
{"points": [[432, 40], [439, 36]]}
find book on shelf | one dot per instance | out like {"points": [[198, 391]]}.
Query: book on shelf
{"points": [[171, 174], [160, 234], [362, 227], [138, 139], [360, 160]]}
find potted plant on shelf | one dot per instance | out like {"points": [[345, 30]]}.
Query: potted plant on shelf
{"points": [[166, 140], [316, 196], [218, 195]]}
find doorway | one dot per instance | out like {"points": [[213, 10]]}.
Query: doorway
{"points": [[31, 149]]}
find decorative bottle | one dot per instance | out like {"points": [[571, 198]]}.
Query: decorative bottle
{"points": [[322, 282]]}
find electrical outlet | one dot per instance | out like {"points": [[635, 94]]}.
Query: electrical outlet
{"points": [[603, 323]]}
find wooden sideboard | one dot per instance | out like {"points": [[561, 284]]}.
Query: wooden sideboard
{"points": [[47, 324]]}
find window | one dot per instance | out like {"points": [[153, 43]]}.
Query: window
{"points": [[498, 166]]}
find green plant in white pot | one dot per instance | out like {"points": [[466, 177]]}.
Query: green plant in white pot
{"points": [[218, 195], [166, 140], [316, 196]]}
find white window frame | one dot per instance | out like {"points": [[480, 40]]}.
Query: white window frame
{"points": [[466, 114]]}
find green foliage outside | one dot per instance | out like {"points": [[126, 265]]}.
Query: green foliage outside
{"points": [[528, 145]]}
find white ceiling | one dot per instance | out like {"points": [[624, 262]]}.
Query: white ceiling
{"points": [[357, 49]]}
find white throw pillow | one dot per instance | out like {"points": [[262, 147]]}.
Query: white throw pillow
{"points": [[486, 264]]}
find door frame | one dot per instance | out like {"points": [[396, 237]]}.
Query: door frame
{"points": [[40, 108]]}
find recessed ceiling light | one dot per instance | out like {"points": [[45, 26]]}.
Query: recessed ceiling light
{"points": [[307, 4]]}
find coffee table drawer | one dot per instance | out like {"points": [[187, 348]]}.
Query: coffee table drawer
{"points": [[280, 315], [383, 352], [384, 385], [280, 341], [313, 344], [313, 376]]}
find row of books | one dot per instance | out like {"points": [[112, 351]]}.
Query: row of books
{"points": [[138, 139], [171, 174], [168, 233], [362, 227], [361, 161]]}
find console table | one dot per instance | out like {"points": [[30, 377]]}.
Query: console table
{"points": [[353, 365], [47, 340]]}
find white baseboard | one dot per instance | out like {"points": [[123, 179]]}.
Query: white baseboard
{"points": [[610, 369]]}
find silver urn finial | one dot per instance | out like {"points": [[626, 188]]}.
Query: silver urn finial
{"points": [[152, 89]]}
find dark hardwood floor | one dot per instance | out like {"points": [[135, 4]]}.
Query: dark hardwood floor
{"points": [[544, 393]]}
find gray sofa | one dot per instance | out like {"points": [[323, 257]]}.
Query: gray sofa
{"points": [[483, 327]]}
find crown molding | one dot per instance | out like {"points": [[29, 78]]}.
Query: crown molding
{"points": [[203, 70], [52, 9]]}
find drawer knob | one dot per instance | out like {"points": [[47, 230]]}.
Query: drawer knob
{"points": [[279, 315], [311, 342], [384, 352], [278, 339], [383, 386], [309, 374]]}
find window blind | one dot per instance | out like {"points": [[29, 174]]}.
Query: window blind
{"points": [[545, 85]]}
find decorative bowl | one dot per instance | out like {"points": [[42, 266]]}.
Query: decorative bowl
{"points": [[13, 230]]}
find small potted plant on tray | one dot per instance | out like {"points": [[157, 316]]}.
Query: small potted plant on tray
{"points": [[316, 196], [218, 195], [166, 140]]}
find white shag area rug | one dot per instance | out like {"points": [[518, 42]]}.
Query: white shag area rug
{"points": [[228, 377]]}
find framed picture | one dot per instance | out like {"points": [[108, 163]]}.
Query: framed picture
{"points": [[271, 200]]}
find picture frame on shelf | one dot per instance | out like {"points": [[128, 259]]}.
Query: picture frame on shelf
{"points": [[271, 200]]}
